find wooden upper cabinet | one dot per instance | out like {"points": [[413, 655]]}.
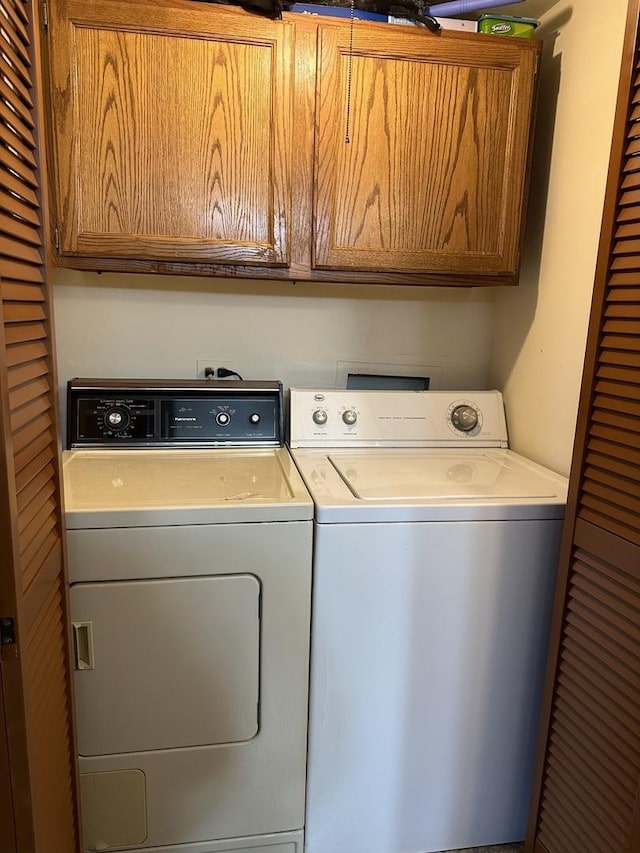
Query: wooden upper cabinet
{"points": [[193, 138], [171, 132], [433, 175]]}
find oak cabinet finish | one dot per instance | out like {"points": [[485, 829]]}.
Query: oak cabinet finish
{"points": [[172, 133], [433, 174], [197, 139]]}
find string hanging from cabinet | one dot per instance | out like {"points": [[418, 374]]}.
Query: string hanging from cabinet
{"points": [[402, 11], [347, 135]]}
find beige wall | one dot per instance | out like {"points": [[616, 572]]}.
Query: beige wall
{"points": [[157, 326], [540, 327]]}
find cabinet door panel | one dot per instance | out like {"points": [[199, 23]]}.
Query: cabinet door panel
{"points": [[432, 176], [172, 133]]}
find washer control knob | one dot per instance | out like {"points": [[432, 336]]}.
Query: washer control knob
{"points": [[254, 418], [349, 416], [320, 417], [464, 417], [222, 418]]}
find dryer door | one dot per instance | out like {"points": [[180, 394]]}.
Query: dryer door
{"points": [[166, 663]]}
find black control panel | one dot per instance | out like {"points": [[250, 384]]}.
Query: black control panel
{"points": [[153, 413]]}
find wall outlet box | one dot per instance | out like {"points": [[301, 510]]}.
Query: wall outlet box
{"points": [[215, 363]]}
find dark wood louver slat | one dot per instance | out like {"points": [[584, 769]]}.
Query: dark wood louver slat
{"points": [[593, 748], [587, 789], [614, 425], [38, 759]]}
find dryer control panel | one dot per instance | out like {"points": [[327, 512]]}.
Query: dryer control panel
{"points": [[152, 413], [356, 418]]}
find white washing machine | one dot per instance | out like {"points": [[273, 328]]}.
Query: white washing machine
{"points": [[189, 536], [434, 569]]}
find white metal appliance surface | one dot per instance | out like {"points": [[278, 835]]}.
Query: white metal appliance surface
{"points": [[190, 573], [434, 569]]}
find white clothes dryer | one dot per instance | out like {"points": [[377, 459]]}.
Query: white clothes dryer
{"points": [[435, 556], [189, 538]]}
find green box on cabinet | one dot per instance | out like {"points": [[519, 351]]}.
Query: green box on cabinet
{"points": [[505, 25]]}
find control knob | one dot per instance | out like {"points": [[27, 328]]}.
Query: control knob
{"points": [[254, 418], [464, 417], [222, 418], [117, 418], [320, 417], [349, 417]]}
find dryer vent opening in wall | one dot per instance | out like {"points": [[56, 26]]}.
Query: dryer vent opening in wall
{"points": [[387, 377], [386, 382]]}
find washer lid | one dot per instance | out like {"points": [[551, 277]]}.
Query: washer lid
{"points": [[447, 475], [406, 485], [155, 487]]}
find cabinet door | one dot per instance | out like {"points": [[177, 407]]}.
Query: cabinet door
{"points": [[171, 130], [422, 147]]}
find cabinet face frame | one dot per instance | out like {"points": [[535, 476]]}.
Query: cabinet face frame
{"points": [[102, 209], [473, 168]]}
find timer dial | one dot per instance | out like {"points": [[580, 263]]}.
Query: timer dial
{"points": [[117, 418], [464, 417]]}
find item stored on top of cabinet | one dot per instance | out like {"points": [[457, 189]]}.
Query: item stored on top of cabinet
{"points": [[212, 142], [461, 7], [461, 24], [336, 12], [504, 25], [270, 8], [379, 9], [408, 9]]}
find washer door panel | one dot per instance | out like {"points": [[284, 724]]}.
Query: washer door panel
{"points": [[166, 663]]}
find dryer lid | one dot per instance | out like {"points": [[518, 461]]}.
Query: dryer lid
{"points": [[113, 488]]}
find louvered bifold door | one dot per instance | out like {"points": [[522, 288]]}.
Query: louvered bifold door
{"points": [[587, 795], [35, 671]]}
